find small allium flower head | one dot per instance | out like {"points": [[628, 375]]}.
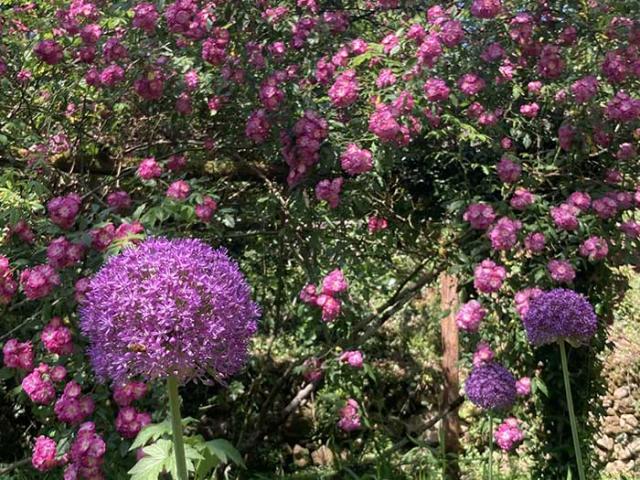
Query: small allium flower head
{"points": [[491, 387], [560, 314], [523, 387], [508, 435], [17, 354], [168, 307], [470, 315], [488, 276], [43, 456]]}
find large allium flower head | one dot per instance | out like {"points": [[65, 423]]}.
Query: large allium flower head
{"points": [[168, 307], [560, 314], [491, 387]]}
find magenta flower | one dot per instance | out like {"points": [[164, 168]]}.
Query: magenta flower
{"points": [[149, 169], [508, 435], [353, 358], [205, 209], [350, 416], [488, 276], [508, 170], [561, 271], [594, 248], [483, 354], [470, 315], [17, 354], [57, 338], [523, 387], [344, 91], [523, 299], [334, 283], [63, 211], [43, 456], [178, 190], [38, 386], [130, 421], [504, 234], [49, 51], [479, 215], [39, 281], [356, 160], [119, 200], [486, 9], [329, 191]]}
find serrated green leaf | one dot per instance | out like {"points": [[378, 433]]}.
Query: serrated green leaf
{"points": [[153, 463], [151, 432]]}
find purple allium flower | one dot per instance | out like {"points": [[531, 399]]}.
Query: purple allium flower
{"points": [[560, 314], [508, 434], [168, 307], [491, 387]]}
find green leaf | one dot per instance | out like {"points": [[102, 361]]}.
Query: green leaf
{"points": [[153, 463], [151, 432], [225, 451]]}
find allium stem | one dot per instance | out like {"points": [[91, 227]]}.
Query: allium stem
{"points": [[490, 466], [176, 427], [572, 413]]}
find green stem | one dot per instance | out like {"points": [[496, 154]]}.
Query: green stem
{"points": [[490, 476], [176, 427], [572, 413]]}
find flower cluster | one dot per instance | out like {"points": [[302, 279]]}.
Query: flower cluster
{"points": [[86, 454], [63, 211], [470, 315], [39, 281], [326, 299], [350, 416], [508, 435], [57, 338], [16, 354], [488, 276], [8, 285], [72, 407], [43, 455]]}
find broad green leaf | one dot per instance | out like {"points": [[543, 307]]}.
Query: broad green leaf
{"points": [[225, 451], [153, 463], [151, 432]]}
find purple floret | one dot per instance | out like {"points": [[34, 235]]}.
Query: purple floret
{"points": [[491, 387], [168, 307], [560, 314]]}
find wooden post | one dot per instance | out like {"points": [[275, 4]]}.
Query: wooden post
{"points": [[450, 350]]}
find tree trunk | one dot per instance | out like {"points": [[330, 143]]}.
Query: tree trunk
{"points": [[450, 349]]}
